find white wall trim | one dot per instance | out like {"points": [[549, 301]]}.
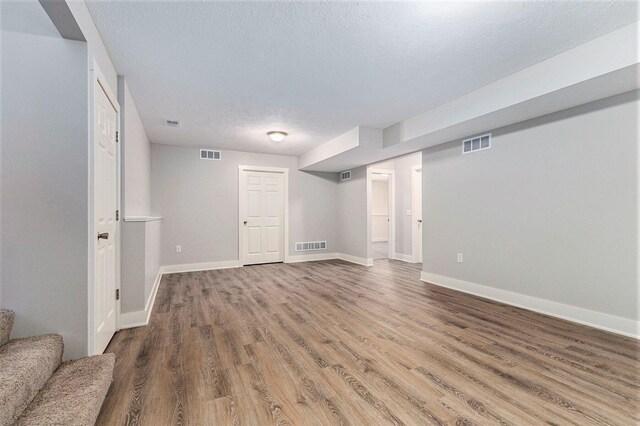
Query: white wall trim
{"points": [[355, 259], [204, 266], [404, 258], [311, 257], [416, 200], [614, 324], [141, 318], [227, 264], [142, 218]]}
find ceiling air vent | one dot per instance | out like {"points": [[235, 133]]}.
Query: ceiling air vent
{"points": [[477, 143], [345, 175], [209, 154], [173, 123], [314, 245]]}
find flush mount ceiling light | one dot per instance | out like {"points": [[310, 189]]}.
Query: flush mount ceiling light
{"points": [[277, 136]]}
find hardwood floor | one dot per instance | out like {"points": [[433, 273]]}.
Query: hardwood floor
{"points": [[323, 343]]}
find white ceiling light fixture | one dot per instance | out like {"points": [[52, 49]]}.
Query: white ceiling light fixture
{"points": [[277, 136]]}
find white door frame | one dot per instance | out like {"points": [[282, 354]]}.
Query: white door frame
{"points": [[98, 79], [416, 173], [241, 187], [392, 214]]}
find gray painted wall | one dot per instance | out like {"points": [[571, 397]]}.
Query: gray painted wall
{"points": [[152, 249], [140, 248], [44, 177], [132, 270], [198, 200], [549, 211], [352, 215], [96, 49], [140, 241], [136, 156]]}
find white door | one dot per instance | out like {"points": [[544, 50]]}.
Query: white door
{"points": [[261, 216], [417, 214], [105, 199]]}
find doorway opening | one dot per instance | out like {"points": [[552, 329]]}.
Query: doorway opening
{"points": [[394, 209], [381, 208]]}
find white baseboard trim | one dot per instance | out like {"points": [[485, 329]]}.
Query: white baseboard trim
{"points": [[310, 257], [141, 318], [355, 259], [204, 266], [607, 322], [379, 240], [404, 257]]}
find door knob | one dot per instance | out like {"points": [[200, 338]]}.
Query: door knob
{"points": [[419, 220], [245, 222], [103, 236]]}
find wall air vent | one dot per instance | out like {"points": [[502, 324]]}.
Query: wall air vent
{"points": [[477, 143], [345, 175], [315, 245], [209, 154]]}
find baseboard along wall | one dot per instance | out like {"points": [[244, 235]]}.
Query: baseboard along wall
{"points": [[607, 322], [404, 257], [141, 318]]}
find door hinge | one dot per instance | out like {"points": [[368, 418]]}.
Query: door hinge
{"points": [[118, 294], [117, 214], [117, 136]]}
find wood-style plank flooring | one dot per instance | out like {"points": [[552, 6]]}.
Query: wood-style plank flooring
{"points": [[324, 343]]}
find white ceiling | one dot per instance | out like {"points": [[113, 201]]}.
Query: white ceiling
{"points": [[231, 71]]}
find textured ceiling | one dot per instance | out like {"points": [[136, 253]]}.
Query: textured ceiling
{"points": [[231, 71]]}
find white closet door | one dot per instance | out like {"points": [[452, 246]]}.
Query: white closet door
{"points": [[262, 216], [105, 196]]}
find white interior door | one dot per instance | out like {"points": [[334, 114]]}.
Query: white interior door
{"points": [[417, 214], [262, 216], [105, 199]]}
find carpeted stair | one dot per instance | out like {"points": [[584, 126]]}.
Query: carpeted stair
{"points": [[36, 388]]}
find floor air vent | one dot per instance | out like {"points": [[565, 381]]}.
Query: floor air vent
{"points": [[477, 143], [314, 245], [209, 154]]}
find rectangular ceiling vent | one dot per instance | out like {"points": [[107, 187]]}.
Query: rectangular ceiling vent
{"points": [[210, 154], [477, 143], [314, 245], [173, 123], [345, 175]]}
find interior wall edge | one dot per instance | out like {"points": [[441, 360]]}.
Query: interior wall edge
{"points": [[141, 318], [229, 264]]}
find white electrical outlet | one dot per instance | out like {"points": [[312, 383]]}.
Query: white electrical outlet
{"points": [[459, 257], [178, 249]]}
